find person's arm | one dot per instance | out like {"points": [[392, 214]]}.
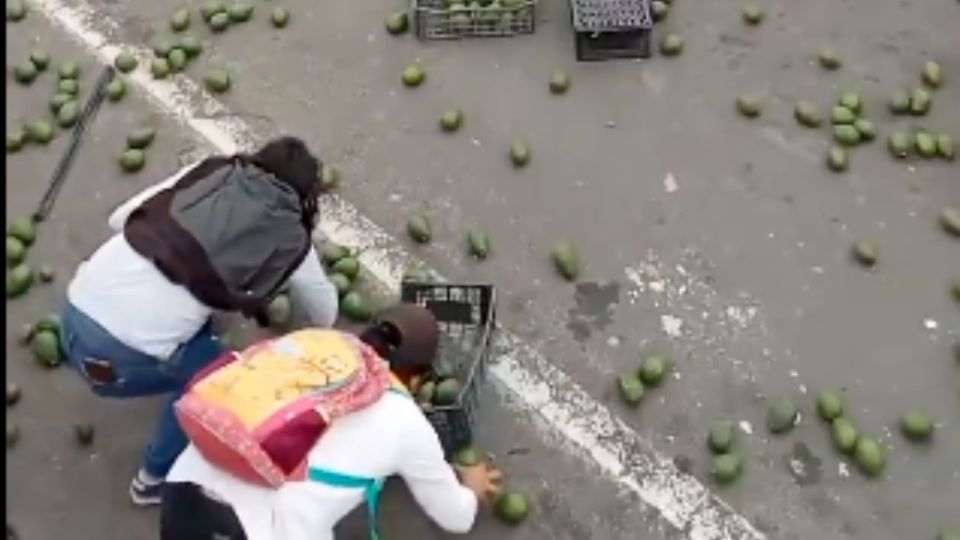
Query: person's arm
{"points": [[119, 216], [311, 290], [432, 480]]}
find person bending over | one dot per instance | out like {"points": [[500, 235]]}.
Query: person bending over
{"points": [[224, 234], [389, 436]]}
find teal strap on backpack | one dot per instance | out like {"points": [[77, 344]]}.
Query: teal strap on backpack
{"points": [[371, 490], [371, 486]]}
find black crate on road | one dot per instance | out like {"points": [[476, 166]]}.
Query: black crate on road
{"points": [[607, 29], [443, 19], [467, 318]]}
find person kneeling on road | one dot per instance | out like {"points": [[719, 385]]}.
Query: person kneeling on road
{"points": [[225, 234], [291, 434]]}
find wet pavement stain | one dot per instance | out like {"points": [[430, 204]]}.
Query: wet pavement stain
{"points": [[594, 309], [804, 466]]}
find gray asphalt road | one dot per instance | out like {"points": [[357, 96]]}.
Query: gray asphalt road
{"points": [[54, 485], [719, 241]]}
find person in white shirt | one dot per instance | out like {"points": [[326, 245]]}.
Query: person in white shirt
{"points": [[131, 331], [390, 437]]}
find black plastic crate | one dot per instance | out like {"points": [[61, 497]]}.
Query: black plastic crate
{"points": [[444, 19], [467, 318], [607, 29]]}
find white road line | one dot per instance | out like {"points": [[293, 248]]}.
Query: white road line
{"points": [[541, 389]]}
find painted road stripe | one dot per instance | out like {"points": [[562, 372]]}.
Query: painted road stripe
{"points": [[588, 429]]}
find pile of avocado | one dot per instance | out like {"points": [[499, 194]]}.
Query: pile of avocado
{"points": [[489, 12], [343, 270], [437, 390]]}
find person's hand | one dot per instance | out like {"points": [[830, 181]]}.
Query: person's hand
{"points": [[482, 479]]}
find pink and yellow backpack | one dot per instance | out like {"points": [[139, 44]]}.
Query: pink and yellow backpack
{"points": [[259, 412]]}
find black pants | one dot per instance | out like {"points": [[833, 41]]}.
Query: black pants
{"points": [[187, 514]]}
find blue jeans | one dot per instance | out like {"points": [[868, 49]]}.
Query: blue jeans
{"points": [[87, 346]]}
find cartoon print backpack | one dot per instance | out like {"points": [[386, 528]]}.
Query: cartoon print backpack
{"points": [[259, 412]]}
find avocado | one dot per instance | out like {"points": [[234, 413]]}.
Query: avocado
{"points": [[217, 80], [25, 72], [753, 15], [23, 229], [397, 23], [279, 17], [341, 282], [899, 144], [899, 102], [116, 89], [180, 20], [329, 177], [132, 160], [844, 434], [279, 312], [141, 137], [846, 135], [46, 348], [68, 114], [654, 370], [866, 252], [190, 45], [829, 406], [519, 154], [842, 115], [219, 22], [419, 229], [920, 102], [40, 59], [722, 437], [125, 62], [240, 12], [782, 416], [160, 68], [451, 120], [19, 280], [727, 468], [852, 101], [749, 105], [932, 74], [916, 426], [478, 243], [69, 70], [355, 307], [806, 114], [631, 388], [865, 128], [177, 59], [512, 507], [566, 259], [16, 251], [870, 456], [40, 131], [447, 392], [837, 159], [15, 139], [560, 81], [348, 266], [413, 75], [828, 59], [671, 45], [333, 252]]}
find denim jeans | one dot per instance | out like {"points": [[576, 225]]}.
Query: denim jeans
{"points": [[138, 374]]}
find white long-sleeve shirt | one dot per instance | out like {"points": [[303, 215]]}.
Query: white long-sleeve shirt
{"points": [[126, 294], [390, 437]]}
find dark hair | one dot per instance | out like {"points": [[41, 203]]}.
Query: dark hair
{"points": [[289, 159], [384, 338]]}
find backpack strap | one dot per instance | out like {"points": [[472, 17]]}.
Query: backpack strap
{"points": [[371, 490]]}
